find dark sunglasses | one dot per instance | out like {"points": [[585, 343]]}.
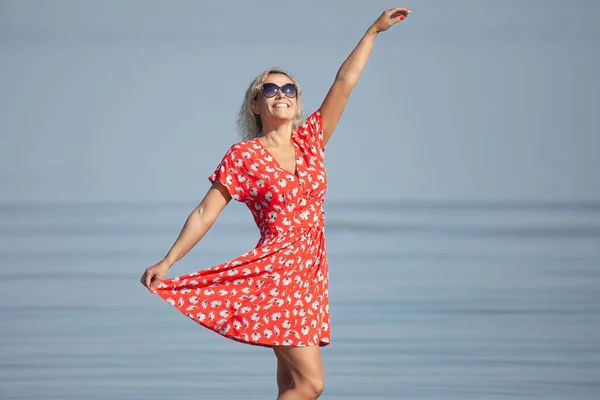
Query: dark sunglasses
{"points": [[271, 90]]}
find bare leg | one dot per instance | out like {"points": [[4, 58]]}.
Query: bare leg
{"points": [[305, 368], [284, 380]]}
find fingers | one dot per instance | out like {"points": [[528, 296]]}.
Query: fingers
{"points": [[146, 279], [398, 10], [155, 282], [398, 13]]}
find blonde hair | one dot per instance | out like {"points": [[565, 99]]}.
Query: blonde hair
{"points": [[249, 125]]}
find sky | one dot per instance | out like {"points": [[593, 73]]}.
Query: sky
{"points": [[464, 100]]}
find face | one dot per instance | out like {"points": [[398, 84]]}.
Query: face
{"points": [[279, 108]]}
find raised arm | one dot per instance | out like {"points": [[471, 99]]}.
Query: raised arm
{"points": [[197, 224], [348, 74]]}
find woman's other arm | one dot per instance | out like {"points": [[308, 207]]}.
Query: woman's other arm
{"points": [[196, 226]]}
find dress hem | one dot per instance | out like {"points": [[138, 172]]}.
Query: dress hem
{"points": [[259, 343]]}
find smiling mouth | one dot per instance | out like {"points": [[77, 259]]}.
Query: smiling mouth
{"points": [[281, 105]]}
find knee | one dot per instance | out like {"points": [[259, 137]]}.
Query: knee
{"points": [[312, 388]]}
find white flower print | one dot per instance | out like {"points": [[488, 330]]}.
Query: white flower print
{"points": [[275, 293]]}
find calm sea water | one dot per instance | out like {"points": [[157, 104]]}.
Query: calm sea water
{"points": [[428, 300]]}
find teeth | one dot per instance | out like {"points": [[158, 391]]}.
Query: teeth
{"points": [[281, 106]]}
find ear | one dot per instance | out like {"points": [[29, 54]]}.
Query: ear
{"points": [[254, 107]]}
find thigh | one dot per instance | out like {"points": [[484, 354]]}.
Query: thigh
{"points": [[301, 362]]}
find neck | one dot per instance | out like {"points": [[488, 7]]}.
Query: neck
{"points": [[277, 134]]}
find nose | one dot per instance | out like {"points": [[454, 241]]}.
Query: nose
{"points": [[279, 94]]}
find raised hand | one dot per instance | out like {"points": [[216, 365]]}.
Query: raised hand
{"points": [[389, 18]]}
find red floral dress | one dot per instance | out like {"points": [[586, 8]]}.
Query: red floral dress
{"points": [[277, 293]]}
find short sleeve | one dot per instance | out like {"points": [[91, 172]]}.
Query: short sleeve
{"points": [[314, 129], [310, 135], [231, 173]]}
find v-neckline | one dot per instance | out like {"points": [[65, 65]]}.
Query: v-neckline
{"points": [[296, 173]]}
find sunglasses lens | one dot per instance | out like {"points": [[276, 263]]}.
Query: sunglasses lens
{"points": [[270, 89], [289, 90]]}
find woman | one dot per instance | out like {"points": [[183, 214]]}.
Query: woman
{"points": [[276, 294]]}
